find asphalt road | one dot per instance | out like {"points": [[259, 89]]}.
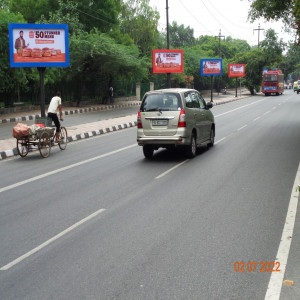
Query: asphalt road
{"points": [[98, 221]]}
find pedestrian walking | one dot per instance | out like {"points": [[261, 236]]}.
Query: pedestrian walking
{"points": [[111, 95]]}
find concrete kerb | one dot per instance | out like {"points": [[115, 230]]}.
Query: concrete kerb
{"points": [[14, 152]]}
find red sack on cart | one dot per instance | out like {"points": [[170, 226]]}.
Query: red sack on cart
{"points": [[20, 130]]}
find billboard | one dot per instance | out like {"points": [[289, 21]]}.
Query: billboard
{"points": [[167, 61], [211, 67], [236, 70], [38, 45]]}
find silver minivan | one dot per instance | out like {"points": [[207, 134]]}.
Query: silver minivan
{"points": [[175, 118]]}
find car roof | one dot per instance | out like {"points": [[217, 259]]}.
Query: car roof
{"points": [[173, 90]]}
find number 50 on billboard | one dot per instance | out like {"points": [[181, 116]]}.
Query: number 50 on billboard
{"points": [[38, 45]]}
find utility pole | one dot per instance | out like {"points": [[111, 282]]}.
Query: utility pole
{"points": [[220, 55], [258, 29], [168, 44]]}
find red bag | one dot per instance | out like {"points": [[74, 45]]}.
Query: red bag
{"points": [[41, 125], [20, 130]]}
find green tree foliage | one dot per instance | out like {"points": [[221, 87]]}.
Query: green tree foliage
{"points": [[12, 80], [100, 14], [273, 48], [287, 10], [32, 10], [140, 22], [181, 36]]}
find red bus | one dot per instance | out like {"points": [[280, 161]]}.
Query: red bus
{"points": [[273, 82]]}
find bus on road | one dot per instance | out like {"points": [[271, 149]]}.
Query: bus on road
{"points": [[273, 82]]}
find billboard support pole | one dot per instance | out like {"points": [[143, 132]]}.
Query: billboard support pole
{"points": [[235, 86], [42, 89], [168, 44], [211, 89]]}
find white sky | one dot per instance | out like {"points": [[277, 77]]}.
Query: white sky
{"points": [[207, 17]]}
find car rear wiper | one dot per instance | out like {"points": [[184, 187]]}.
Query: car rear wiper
{"points": [[153, 109]]}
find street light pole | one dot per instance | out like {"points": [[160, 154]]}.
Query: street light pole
{"points": [[220, 55], [258, 29]]}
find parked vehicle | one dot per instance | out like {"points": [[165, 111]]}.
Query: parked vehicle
{"points": [[273, 82], [175, 118]]}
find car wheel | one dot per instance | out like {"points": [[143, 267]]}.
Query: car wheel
{"points": [[192, 148], [148, 151], [212, 138]]}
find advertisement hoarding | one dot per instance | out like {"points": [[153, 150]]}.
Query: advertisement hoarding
{"points": [[236, 70], [167, 61], [210, 67], [38, 45]]}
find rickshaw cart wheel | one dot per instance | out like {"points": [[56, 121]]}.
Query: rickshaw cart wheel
{"points": [[22, 147], [45, 144]]}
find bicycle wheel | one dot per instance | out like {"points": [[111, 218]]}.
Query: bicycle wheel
{"points": [[63, 136], [45, 144], [22, 147]]}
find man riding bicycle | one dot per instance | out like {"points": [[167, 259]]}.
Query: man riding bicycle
{"points": [[55, 104]]}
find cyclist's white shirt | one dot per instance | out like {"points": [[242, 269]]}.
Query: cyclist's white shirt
{"points": [[55, 101]]}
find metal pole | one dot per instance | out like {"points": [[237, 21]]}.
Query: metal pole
{"points": [[240, 87], [211, 89], [42, 89], [235, 86], [168, 44]]}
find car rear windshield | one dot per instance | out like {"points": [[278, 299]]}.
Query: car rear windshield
{"points": [[161, 102]]}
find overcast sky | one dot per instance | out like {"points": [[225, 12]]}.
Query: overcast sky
{"points": [[208, 17]]}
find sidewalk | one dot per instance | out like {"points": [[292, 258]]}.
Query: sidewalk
{"points": [[83, 131]]}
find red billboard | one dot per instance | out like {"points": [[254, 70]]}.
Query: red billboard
{"points": [[236, 70], [167, 61]]}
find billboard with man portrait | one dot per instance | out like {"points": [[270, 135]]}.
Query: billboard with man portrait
{"points": [[167, 61], [38, 45]]}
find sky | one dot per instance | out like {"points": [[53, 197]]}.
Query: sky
{"points": [[208, 17]]}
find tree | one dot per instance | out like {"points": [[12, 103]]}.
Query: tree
{"points": [[33, 9], [181, 36], [12, 80], [273, 48], [140, 22], [287, 10], [255, 62]]}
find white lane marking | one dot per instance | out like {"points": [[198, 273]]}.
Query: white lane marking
{"points": [[242, 127], [9, 187], [219, 141], [170, 170], [256, 118], [225, 113], [275, 283], [267, 112], [56, 237]]}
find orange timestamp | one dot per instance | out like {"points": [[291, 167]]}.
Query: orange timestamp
{"points": [[252, 266]]}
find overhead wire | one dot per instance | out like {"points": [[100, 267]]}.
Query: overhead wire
{"points": [[215, 17], [194, 17]]}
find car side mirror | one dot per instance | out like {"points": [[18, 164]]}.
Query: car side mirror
{"points": [[209, 105]]}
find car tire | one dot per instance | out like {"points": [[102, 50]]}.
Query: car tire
{"points": [[191, 149], [212, 138], [148, 151]]}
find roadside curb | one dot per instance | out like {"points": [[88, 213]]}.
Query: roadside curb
{"points": [[77, 137], [72, 112]]}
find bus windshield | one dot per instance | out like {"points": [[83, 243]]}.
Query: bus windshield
{"points": [[270, 77]]}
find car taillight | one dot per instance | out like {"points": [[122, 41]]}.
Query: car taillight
{"points": [[139, 120], [181, 122]]}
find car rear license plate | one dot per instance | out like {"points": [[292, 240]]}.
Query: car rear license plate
{"points": [[159, 122]]}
